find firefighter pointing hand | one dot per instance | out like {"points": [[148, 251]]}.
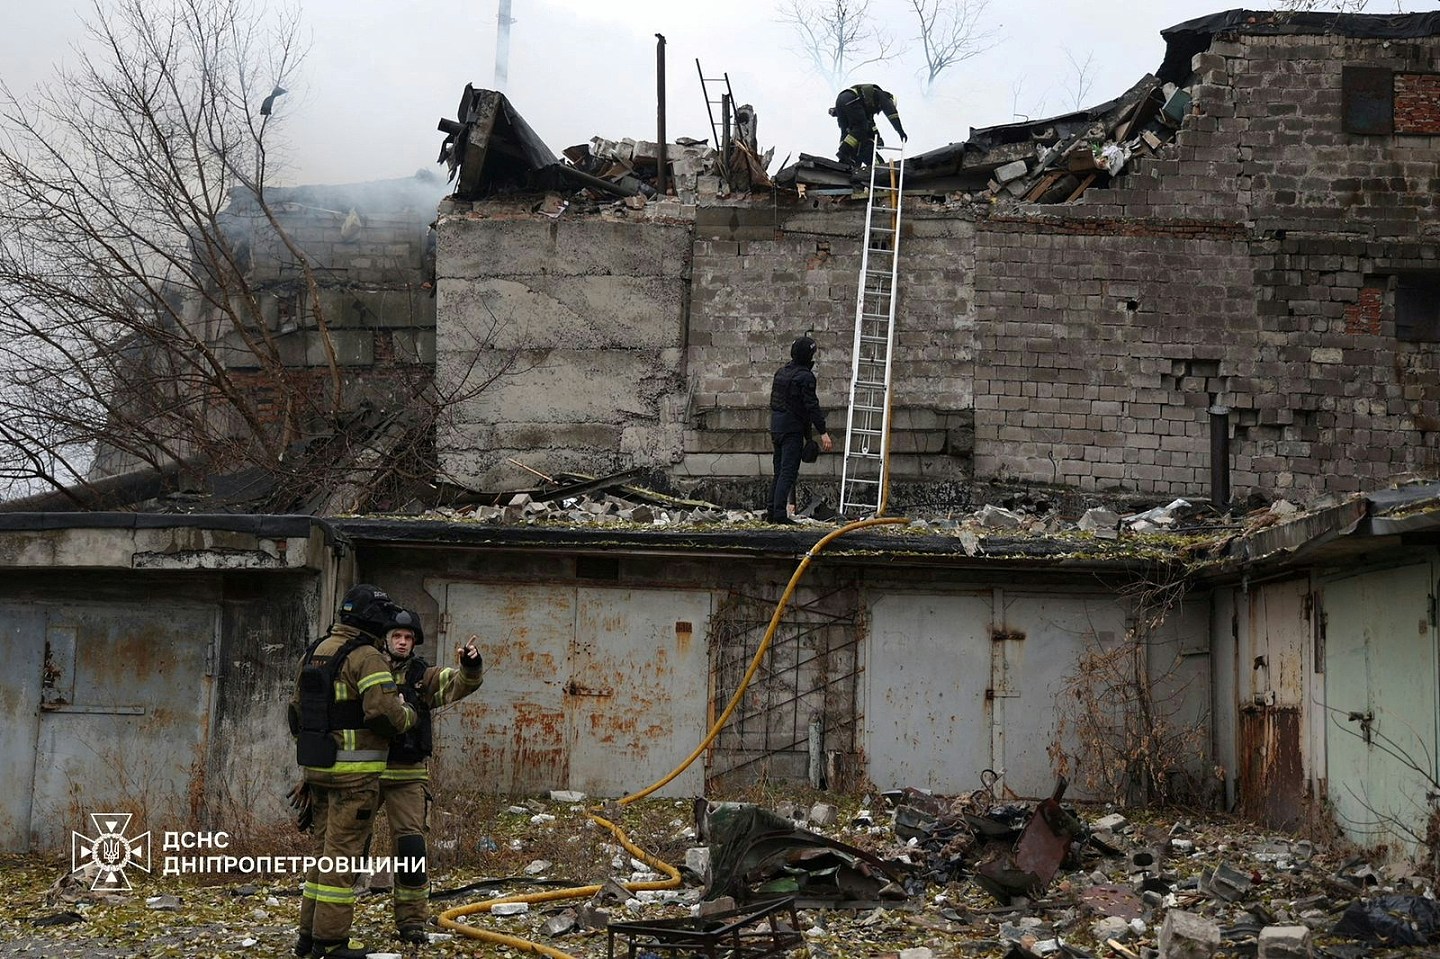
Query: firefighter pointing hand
{"points": [[468, 654], [405, 784]]}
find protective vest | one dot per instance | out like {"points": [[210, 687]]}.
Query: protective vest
{"points": [[319, 713], [415, 746]]}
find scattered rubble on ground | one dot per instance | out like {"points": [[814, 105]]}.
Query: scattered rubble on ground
{"points": [[1181, 529], [1132, 884]]}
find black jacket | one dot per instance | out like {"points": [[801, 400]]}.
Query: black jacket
{"points": [[793, 403]]}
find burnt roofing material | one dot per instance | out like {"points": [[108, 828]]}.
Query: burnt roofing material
{"points": [[1184, 40]]}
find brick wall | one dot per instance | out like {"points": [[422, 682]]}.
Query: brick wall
{"points": [[1417, 103], [1253, 264]]}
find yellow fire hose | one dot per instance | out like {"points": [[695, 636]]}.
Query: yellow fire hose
{"points": [[448, 918]]}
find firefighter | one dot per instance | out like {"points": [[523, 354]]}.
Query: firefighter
{"points": [[855, 108], [347, 708], [405, 784]]}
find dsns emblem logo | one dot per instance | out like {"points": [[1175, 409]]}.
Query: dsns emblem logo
{"points": [[110, 852]]}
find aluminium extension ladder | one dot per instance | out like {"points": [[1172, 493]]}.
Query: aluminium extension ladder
{"points": [[864, 477]]}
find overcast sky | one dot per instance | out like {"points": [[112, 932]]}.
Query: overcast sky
{"points": [[380, 73]]}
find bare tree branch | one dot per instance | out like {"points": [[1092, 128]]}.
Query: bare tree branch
{"points": [[1081, 77], [950, 33], [837, 37]]}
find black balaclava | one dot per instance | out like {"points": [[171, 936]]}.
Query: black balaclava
{"points": [[802, 351]]}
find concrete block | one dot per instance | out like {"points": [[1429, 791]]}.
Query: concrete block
{"points": [[1008, 172], [1185, 935], [697, 861], [1101, 519], [1111, 927], [823, 814], [712, 906], [1285, 942]]}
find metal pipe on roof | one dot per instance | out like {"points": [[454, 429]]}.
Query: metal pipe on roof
{"points": [[662, 174], [502, 45]]}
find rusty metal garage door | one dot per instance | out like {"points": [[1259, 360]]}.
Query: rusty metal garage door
{"points": [[927, 667], [597, 689], [124, 696]]}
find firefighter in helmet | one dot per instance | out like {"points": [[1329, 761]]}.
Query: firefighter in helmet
{"points": [[346, 711], [855, 109], [405, 783]]}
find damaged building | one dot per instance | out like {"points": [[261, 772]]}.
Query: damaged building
{"points": [[1240, 243]]}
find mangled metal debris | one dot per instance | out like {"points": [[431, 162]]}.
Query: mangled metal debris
{"points": [[757, 854], [1044, 844], [489, 147], [761, 930], [490, 150]]}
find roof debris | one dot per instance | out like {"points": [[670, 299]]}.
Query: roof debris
{"points": [[1054, 160], [491, 150]]}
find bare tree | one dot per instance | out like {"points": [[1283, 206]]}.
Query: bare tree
{"points": [[837, 36], [1081, 77], [1123, 723], [950, 33], [134, 208], [1032, 110]]}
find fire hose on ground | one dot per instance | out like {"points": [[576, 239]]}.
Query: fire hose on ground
{"points": [[449, 919]]}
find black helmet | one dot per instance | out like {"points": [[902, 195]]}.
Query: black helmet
{"points": [[803, 350], [367, 608], [404, 619]]}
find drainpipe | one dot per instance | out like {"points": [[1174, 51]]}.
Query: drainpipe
{"points": [[1220, 457], [662, 176]]}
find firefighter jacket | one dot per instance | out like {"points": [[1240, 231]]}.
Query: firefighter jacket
{"points": [[425, 688], [363, 677], [877, 100]]}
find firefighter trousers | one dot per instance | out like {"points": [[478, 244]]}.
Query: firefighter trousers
{"points": [[407, 806], [344, 817]]}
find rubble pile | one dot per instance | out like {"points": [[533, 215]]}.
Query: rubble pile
{"points": [[891, 876], [633, 165], [575, 499]]}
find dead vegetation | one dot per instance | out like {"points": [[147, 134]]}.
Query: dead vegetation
{"points": [[496, 842]]}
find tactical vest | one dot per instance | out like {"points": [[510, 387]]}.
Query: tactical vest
{"points": [[320, 714], [415, 746]]}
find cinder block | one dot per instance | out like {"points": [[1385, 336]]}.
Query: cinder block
{"points": [[1284, 942], [1185, 935]]}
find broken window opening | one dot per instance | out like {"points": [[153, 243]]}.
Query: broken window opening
{"points": [[1417, 308]]}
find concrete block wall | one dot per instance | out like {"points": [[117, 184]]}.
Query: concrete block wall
{"points": [[1252, 264], [1264, 143], [562, 343], [1098, 350], [372, 250], [1304, 171], [762, 277]]}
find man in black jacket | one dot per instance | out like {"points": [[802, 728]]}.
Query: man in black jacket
{"points": [[794, 408]]}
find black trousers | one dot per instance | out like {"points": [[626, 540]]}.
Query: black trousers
{"points": [[857, 127], [787, 470]]}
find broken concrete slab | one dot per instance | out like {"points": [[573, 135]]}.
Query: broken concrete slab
{"points": [[1284, 942], [1186, 935]]}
